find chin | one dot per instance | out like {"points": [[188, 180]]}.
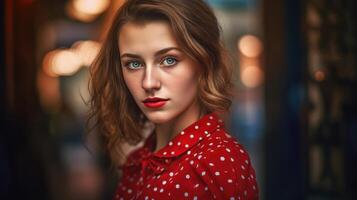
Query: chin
{"points": [[158, 117]]}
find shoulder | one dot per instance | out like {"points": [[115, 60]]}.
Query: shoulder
{"points": [[222, 147], [226, 166]]}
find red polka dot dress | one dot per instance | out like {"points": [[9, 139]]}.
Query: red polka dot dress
{"points": [[201, 162]]}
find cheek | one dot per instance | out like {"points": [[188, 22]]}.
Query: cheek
{"points": [[187, 85], [184, 86], [132, 84]]}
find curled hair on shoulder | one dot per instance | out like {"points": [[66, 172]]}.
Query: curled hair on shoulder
{"points": [[112, 108]]}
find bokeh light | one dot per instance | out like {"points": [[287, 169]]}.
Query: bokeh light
{"points": [[252, 76], [66, 62], [320, 75], [86, 10], [250, 46], [61, 63], [92, 7], [86, 51]]}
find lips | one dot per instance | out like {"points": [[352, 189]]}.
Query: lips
{"points": [[154, 102]]}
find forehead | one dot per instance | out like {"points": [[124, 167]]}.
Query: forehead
{"points": [[146, 37]]}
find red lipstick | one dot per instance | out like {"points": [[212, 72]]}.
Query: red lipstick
{"points": [[154, 102]]}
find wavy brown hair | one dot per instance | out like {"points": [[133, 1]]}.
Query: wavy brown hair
{"points": [[194, 25]]}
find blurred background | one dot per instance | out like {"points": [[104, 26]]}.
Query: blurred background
{"points": [[295, 106]]}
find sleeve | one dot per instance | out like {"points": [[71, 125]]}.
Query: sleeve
{"points": [[229, 173]]}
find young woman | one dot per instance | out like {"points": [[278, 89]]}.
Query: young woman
{"points": [[162, 63]]}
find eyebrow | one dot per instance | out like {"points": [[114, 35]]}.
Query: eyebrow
{"points": [[160, 52]]}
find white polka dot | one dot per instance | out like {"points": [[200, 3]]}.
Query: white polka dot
{"points": [[221, 188], [182, 132], [200, 138], [203, 173], [254, 187], [228, 150], [199, 157], [187, 176], [172, 152], [195, 198], [148, 186], [246, 161], [245, 192], [232, 198], [130, 191], [208, 124], [210, 144], [161, 190], [186, 194], [196, 127], [164, 153], [177, 186], [191, 162], [188, 152], [155, 189], [179, 143], [241, 150], [206, 188], [164, 182], [170, 143], [229, 181], [196, 186], [210, 117], [242, 176], [242, 167], [222, 158], [217, 173], [186, 145], [211, 164], [232, 159], [206, 132], [171, 173], [191, 136]]}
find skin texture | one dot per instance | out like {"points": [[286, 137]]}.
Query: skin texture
{"points": [[170, 74]]}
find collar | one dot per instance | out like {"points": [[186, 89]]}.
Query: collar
{"points": [[189, 137], [181, 143]]}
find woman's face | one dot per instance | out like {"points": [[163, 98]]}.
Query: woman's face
{"points": [[154, 66]]}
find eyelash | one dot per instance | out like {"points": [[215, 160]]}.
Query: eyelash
{"points": [[170, 57], [127, 64]]}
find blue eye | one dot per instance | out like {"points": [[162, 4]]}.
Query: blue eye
{"points": [[134, 64], [168, 61]]}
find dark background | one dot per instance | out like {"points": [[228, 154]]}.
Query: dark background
{"points": [[299, 158]]}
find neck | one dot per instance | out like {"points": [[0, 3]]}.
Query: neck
{"points": [[168, 130]]}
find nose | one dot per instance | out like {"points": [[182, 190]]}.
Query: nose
{"points": [[151, 80]]}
